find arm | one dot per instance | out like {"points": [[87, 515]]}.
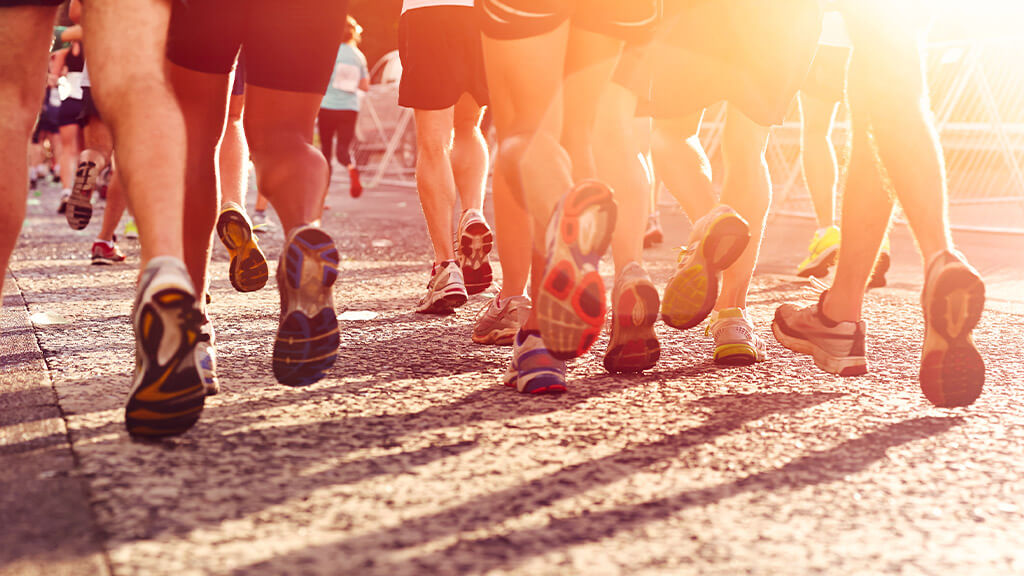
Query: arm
{"points": [[72, 33]]}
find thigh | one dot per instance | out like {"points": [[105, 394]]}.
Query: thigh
{"points": [[292, 46], [279, 119], [526, 76], [204, 36]]}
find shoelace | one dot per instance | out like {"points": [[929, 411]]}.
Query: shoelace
{"points": [[817, 286]]}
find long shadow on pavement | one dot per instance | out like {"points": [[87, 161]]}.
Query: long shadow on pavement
{"points": [[364, 553]]}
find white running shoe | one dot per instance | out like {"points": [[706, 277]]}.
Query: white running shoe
{"points": [[736, 343], [446, 290], [168, 393]]}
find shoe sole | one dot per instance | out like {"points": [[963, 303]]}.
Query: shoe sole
{"points": [[634, 346], [952, 370], [445, 305], [248, 270], [839, 365], [536, 385], [736, 355], [105, 261], [820, 265], [307, 337], [497, 337], [79, 209], [475, 244], [691, 293], [571, 305], [168, 402]]}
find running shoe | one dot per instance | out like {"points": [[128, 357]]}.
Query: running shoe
{"points": [[736, 343], [248, 270], [355, 187], [79, 211], [837, 347], [882, 265], [475, 241], [821, 255], [571, 305], [167, 394], [534, 370], [498, 324], [633, 346], [106, 253], [653, 235], [260, 223], [206, 357], [131, 231], [446, 290], [717, 240], [307, 337], [952, 370], [62, 208]]}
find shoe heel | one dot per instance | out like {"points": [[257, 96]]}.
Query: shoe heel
{"points": [[169, 401]]}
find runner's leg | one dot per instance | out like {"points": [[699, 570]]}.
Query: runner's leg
{"points": [[25, 32]]}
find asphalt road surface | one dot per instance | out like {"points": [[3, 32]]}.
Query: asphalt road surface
{"points": [[413, 458]]}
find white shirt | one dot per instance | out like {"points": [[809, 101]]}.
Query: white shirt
{"points": [[410, 4]]}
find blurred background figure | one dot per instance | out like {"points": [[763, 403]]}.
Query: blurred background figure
{"points": [[339, 109]]}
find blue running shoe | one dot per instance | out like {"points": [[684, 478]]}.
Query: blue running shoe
{"points": [[534, 370], [307, 337]]}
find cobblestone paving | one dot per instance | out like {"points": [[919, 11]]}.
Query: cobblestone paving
{"points": [[412, 458]]}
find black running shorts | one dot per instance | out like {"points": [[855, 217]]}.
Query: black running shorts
{"points": [[70, 111], [752, 53], [442, 58], [289, 46], [630, 20], [826, 80]]}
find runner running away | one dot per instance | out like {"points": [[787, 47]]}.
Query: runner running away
{"points": [[96, 159], [339, 109], [247, 270], [46, 133], [289, 51], [70, 63], [126, 44], [819, 99], [547, 171], [893, 128], [443, 82]]}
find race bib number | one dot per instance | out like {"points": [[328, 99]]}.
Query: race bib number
{"points": [[346, 77]]}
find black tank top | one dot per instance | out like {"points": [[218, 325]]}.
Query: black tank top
{"points": [[75, 63]]}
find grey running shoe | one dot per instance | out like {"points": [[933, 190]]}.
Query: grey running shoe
{"points": [[167, 393], [633, 346], [446, 290], [952, 370], [837, 347], [498, 325], [79, 208]]}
